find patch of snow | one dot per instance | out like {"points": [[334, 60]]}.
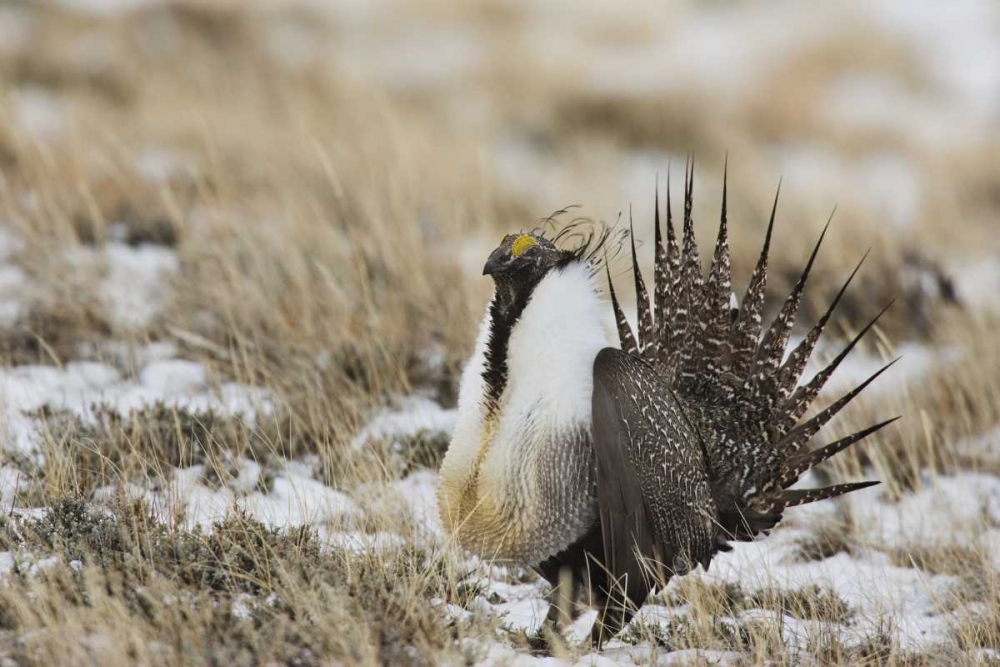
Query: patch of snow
{"points": [[868, 583], [413, 497], [957, 45], [12, 482], [945, 510], [415, 414], [79, 386], [242, 606], [977, 283], [12, 280], [159, 165], [136, 286], [16, 25], [295, 499], [105, 7], [526, 614], [293, 45], [39, 112], [421, 56], [174, 377], [43, 564]]}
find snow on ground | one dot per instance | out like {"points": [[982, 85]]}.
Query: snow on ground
{"points": [[15, 28], [411, 416], [40, 113], [82, 385], [977, 283], [135, 280], [294, 499], [105, 7], [11, 278]]}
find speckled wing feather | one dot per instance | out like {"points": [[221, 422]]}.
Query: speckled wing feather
{"points": [[652, 481]]}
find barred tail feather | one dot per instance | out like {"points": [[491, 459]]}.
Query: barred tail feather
{"points": [[661, 280], [625, 337], [803, 397], [791, 370], [646, 342], [714, 317], [772, 347], [801, 434], [732, 382], [794, 497], [799, 464], [690, 285], [746, 331]]}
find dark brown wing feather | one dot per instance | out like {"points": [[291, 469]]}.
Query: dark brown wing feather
{"points": [[652, 482]]}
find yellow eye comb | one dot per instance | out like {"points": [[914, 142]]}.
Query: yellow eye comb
{"points": [[522, 243]]}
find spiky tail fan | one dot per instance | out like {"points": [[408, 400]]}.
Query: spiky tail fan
{"points": [[732, 377]]}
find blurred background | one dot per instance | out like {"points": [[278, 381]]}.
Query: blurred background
{"points": [[455, 121], [374, 126]]}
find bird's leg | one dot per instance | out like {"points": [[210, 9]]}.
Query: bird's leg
{"points": [[612, 618], [561, 613]]}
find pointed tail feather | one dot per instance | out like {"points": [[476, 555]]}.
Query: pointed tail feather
{"points": [[801, 434], [625, 337], [802, 398], [646, 341], [691, 283], [671, 327], [792, 369], [746, 331], [794, 497], [716, 355], [661, 279], [772, 347], [809, 460]]}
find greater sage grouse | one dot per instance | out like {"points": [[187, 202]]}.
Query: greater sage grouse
{"points": [[610, 470]]}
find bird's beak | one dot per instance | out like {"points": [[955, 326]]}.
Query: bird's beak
{"points": [[496, 261]]}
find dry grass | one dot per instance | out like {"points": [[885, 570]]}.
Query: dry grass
{"points": [[328, 224]]}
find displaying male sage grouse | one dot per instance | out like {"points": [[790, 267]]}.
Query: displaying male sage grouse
{"points": [[614, 469]]}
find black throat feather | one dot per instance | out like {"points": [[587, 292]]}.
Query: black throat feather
{"points": [[511, 299]]}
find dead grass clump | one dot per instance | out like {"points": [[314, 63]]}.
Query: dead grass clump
{"points": [[979, 629], [243, 592], [63, 74], [634, 121], [826, 539], [399, 456], [945, 558], [52, 333], [131, 228], [758, 640], [145, 444], [709, 598], [810, 603]]}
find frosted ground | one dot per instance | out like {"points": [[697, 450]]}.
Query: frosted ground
{"points": [[243, 287]]}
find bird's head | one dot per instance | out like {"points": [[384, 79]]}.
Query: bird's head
{"points": [[521, 260]]}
